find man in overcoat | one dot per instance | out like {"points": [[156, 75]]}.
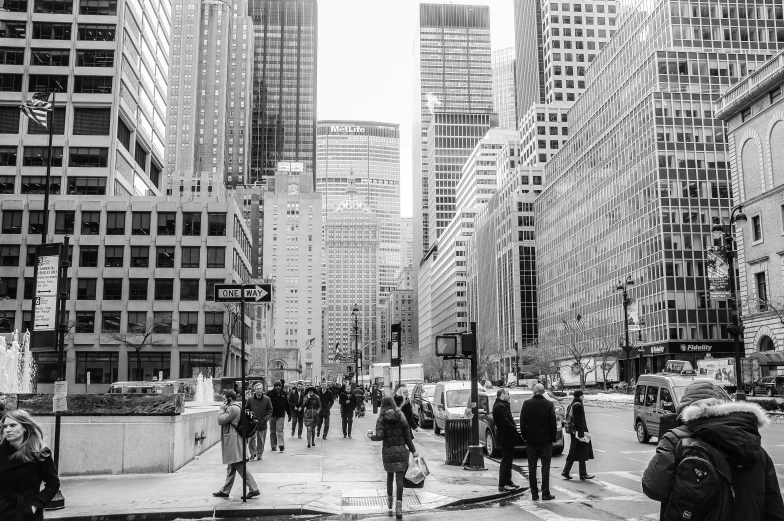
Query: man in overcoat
{"points": [[539, 429], [506, 429]]}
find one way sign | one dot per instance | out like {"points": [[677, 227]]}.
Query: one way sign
{"points": [[257, 292], [250, 293]]}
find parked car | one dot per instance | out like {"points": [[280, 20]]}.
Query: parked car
{"points": [[487, 432], [422, 403], [450, 400], [656, 399], [769, 386]]}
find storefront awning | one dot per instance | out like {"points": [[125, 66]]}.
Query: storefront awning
{"points": [[769, 358]]}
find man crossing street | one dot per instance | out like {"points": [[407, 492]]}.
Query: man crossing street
{"points": [[539, 430]]}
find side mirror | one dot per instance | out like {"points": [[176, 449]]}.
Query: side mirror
{"points": [[481, 411]]}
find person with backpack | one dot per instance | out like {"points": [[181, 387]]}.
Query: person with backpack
{"points": [[231, 447], [346, 401], [311, 407], [580, 449], [713, 466]]}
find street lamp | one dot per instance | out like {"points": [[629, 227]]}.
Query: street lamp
{"points": [[719, 231], [355, 315], [517, 366], [623, 286]]}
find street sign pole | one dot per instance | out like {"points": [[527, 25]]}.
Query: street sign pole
{"points": [[242, 379], [475, 459]]}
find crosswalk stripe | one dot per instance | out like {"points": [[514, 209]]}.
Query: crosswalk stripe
{"points": [[624, 474], [571, 493], [621, 491], [547, 515], [644, 518]]}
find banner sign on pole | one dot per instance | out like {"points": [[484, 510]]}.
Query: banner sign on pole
{"points": [[45, 298], [718, 275], [394, 347], [634, 315]]}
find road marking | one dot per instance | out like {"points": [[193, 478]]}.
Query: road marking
{"points": [[644, 518], [621, 491], [599, 450], [571, 493], [640, 460], [623, 474], [530, 507], [624, 430], [635, 452]]}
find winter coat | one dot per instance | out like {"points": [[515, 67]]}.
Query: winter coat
{"points": [[20, 485], [231, 441], [261, 409], [733, 429], [296, 398], [505, 428], [408, 412], [280, 404], [347, 405], [579, 450], [537, 421], [311, 408], [327, 401], [392, 429]]}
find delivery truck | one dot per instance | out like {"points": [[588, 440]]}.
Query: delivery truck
{"points": [[410, 374]]}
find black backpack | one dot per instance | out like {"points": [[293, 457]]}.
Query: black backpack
{"points": [[247, 424], [703, 482], [569, 420]]}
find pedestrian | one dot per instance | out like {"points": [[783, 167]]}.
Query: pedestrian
{"points": [[311, 407], [261, 407], [394, 432], [346, 402], [376, 398], [280, 409], [506, 429], [327, 401], [403, 402], [232, 447], [296, 397], [732, 429], [25, 463], [359, 400], [539, 429], [580, 448]]}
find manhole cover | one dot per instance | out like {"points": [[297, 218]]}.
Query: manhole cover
{"points": [[455, 480], [304, 489], [377, 501]]}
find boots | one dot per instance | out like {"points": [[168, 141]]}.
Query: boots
{"points": [[389, 504], [399, 509]]}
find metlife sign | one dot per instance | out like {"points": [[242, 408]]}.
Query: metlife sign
{"points": [[339, 129]]}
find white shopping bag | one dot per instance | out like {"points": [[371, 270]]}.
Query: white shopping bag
{"points": [[417, 470]]}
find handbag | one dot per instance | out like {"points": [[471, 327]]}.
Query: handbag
{"points": [[417, 470]]}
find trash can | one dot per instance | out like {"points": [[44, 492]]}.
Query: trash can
{"points": [[457, 437]]}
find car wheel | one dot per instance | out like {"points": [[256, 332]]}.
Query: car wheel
{"points": [[769, 392], [642, 435], [436, 430], [492, 451]]}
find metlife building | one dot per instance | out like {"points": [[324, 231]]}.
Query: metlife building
{"points": [[369, 153]]}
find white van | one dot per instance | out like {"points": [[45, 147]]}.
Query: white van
{"points": [[450, 400]]}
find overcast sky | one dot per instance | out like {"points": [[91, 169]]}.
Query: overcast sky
{"points": [[365, 64]]}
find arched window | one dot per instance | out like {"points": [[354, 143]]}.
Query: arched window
{"points": [[278, 370], [766, 344]]}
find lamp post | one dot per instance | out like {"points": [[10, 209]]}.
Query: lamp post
{"points": [[355, 315], [517, 366], [623, 286], [719, 231]]}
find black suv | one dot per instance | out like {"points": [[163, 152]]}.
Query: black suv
{"points": [[769, 386]]}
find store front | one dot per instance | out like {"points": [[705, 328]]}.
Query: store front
{"points": [[655, 356]]}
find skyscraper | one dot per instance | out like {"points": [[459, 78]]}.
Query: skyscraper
{"points": [[406, 241], [452, 73], [529, 55], [503, 63], [367, 155], [283, 124]]}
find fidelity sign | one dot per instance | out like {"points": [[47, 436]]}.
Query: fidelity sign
{"points": [[696, 348], [335, 129]]}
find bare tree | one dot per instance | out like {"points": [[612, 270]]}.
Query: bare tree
{"points": [[577, 347], [435, 367], [544, 361], [604, 342], [487, 352], [232, 321], [137, 336]]}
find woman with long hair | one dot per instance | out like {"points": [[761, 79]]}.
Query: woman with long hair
{"points": [[403, 402], [25, 463], [393, 430], [580, 448]]}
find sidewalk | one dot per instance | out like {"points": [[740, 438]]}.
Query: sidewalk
{"points": [[337, 476]]}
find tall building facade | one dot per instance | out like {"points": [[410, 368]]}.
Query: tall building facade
{"points": [[401, 309], [452, 73], [364, 154], [283, 119], [109, 63], [406, 241], [504, 99], [636, 188], [529, 54], [211, 77], [292, 240], [351, 248]]}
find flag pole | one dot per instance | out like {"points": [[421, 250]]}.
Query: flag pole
{"points": [[45, 231]]}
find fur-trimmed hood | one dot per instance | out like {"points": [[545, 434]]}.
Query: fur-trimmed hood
{"points": [[731, 427]]}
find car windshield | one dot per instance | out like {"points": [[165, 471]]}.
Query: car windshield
{"points": [[458, 398], [516, 401], [678, 390], [428, 391]]}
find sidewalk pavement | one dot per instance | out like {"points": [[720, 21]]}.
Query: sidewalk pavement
{"points": [[337, 476]]}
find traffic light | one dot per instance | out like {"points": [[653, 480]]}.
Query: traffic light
{"points": [[468, 343]]}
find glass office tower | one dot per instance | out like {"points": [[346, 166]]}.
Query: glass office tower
{"points": [[645, 173]]}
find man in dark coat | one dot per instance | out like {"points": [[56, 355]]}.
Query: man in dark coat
{"points": [[732, 428], [280, 408], [506, 431], [296, 399], [538, 428], [580, 448], [261, 407], [346, 401], [327, 401]]}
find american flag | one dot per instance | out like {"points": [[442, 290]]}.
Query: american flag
{"points": [[37, 108]]}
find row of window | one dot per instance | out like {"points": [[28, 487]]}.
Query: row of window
{"points": [[37, 185], [90, 223], [89, 7], [96, 157], [57, 57], [57, 83]]}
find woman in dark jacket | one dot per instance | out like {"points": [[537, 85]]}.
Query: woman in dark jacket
{"points": [[25, 463], [346, 401], [311, 407], [393, 430], [404, 404], [580, 451]]}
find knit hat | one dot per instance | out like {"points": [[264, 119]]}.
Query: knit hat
{"points": [[577, 393], [310, 389], [696, 392], [277, 384]]}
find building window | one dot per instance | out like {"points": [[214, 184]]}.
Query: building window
{"points": [[85, 322], [189, 289], [113, 256], [15, 6], [91, 122], [88, 256], [210, 297], [7, 321], [8, 155], [189, 322], [47, 83], [189, 256], [124, 134], [162, 322], [97, 368], [93, 84], [110, 322], [91, 223], [85, 289], [115, 223], [745, 114], [46, 367], [191, 224], [167, 223], [140, 155], [112, 289], [216, 257], [50, 57], [96, 32], [39, 156], [217, 225], [140, 256], [9, 287], [34, 184], [12, 221], [35, 225], [99, 7], [140, 223], [762, 291], [9, 255], [164, 289], [92, 157], [164, 257], [95, 58], [11, 82], [148, 367], [756, 228], [213, 323], [54, 6], [50, 31], [64, 222], [137, 289], [208, 364]]}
